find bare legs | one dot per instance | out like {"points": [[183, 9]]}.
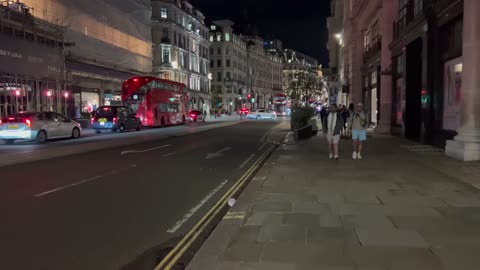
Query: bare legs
{"points": [[334, 149], [357, 146]]}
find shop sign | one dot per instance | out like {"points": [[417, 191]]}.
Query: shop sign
{"points": [[29, 58]]}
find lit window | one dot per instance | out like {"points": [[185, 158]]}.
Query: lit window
{"points": [[164, 13], [166, 55], [227, 37], [213, 27], [211, 38], [219, 37]]}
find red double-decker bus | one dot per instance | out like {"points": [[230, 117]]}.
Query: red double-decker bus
{"points": [[156, 102]]}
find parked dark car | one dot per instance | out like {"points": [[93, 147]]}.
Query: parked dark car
{"points": [[196, 116], [121, 118]]}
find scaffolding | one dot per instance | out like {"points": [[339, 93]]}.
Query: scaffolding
{"points": [[26, 91]]}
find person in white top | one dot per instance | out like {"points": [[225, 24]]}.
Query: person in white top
{"points": [[332, 126]]}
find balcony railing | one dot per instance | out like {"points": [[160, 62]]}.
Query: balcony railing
{"points": [[373, 49], [412, 11]]}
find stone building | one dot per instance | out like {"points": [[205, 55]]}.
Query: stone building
{"points": [[181, 48]]}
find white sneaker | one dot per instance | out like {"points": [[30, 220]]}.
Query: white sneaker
{"points": [[331, 155], [354, 155], [359, 156], [337, 157]]}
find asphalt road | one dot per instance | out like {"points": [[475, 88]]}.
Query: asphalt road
{"points": [[102, 209]]}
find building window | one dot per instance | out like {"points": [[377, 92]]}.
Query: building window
{"points": [[165, 55], [211, 38], [228, 63], [212, 63], [213, 27], [227, 51], [228, 76], [164, 34], [163, 13], [227, 36], [219, 63], [219, 76], [219, 51], [219, 37], [212, 51], [417, 7]]}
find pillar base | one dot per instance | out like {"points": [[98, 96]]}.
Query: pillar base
{"points": [[465, 146]]}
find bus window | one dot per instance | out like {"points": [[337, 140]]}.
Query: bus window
{"points": [[173, 108], [162, 107]]}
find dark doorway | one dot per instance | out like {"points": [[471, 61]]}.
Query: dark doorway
{"points": [[413, 106]]}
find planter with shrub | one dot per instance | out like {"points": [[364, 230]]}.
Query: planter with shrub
{"points": [[300, 121]]}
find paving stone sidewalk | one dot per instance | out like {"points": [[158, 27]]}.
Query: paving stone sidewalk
{"points": [[393, 210]]}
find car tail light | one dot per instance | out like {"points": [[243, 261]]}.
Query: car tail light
{"points": [[92, 120], [28, 122], [114, 120], [192, 115], [11, 119], [0, 121]]}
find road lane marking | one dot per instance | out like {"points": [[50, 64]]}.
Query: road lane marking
{"points": [[262, 146], [218, 153], [169, 154], [192, 211], [143, 151], [177, 252], [90, 179], [246, 161]]}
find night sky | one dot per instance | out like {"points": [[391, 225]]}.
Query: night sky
{"points": [[300, 24]]}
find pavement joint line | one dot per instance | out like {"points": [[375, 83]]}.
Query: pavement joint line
{"points": [[194, 209], [90, 179], [169, 154], [145, 150], [193, 234], [247, 161], [262, 146], [234, 217]]}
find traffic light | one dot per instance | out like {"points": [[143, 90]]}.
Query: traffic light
{"points": [[249, 96], [425, 97]]}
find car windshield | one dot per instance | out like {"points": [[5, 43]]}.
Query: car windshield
{"points": [[106, 111]]}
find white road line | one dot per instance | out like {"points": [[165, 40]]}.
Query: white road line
{"points": [[246, 161], [143, 151], [169, 154], [262, 146], [192, 211], [81, 182]]}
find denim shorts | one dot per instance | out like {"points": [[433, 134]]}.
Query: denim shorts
{"points": [[359, 134]]}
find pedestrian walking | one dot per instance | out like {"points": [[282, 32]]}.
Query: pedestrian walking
{"points": [[323, 113], [332, 127], [358, 123], [345, 116]]}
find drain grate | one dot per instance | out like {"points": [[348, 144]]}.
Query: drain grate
{"points": [[422, 148]]}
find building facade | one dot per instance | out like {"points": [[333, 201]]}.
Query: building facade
{"points": [[338, 89], [32, 62], [103, 44], [181, 48], [264, 74], [422, 58], [229, 66], [107, 43]]}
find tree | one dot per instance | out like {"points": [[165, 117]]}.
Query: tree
{"points": [[304, 85]]}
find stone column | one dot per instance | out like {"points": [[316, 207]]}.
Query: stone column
{"points": [[388, 15], [356, 59], [466, 145]]}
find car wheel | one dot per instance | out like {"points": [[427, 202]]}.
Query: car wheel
{"points": [[162, 122], [41, 137], [259, 117], [98, 131], [184, 120], [139, 127], [9, 141], [75, 133], [121, 128]]}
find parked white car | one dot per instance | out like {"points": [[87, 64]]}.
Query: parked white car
{"points": [[262, 114], [38, 126]]}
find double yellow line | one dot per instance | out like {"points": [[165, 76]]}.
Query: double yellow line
{"points": [[173, 256]]}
